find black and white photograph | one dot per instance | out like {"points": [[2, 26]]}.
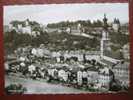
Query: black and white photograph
{"points": [[73, 48]]}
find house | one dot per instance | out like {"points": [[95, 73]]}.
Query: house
{"points": [[121, 72], [79, 77], [40, 51], [26, 28], [106, 76], [125, 51], [62, 75], [68, 30], [92, 75]]}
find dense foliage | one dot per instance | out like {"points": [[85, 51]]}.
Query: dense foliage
{"points": [[53, 41], [84, 23]]}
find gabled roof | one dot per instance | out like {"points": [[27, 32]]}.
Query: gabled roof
{"points": [[106, 71], [122, 65], [92, 69], [106, 62]]}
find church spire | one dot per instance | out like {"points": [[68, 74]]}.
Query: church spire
{"points": [[105, 24]]}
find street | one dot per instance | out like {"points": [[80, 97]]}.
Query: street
{"points": [[41, 87]]}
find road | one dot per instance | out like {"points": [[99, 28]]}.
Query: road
{"points": [[84, 35], [41, 87]]}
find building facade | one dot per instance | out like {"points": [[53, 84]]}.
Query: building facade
{"points": [[121, 72], [105, 77]]}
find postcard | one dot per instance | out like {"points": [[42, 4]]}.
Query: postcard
{"points": [[74, 48]]}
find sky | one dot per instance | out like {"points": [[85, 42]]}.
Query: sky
{"points": [[52, 13]]}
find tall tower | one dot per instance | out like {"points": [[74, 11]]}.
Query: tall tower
{"points": [[105, 36], [116, 25]]}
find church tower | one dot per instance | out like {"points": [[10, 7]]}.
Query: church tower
{"points": [[105, 37], [116, 25]]}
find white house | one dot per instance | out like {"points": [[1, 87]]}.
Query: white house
{"points": [[105, 77], [27, 30]]}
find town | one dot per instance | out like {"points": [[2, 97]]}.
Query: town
{"points": [[91, 56]]}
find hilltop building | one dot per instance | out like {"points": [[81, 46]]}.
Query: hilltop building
{"points": [[116, 25], [24, 28]]}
